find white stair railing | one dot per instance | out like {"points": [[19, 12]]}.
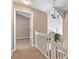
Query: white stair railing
{"points": [[41, 41], [46, 43], [56, 52], [59, 54]]}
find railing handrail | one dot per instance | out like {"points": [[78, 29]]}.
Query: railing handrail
{"points": [[41, 34], [41, 41]]}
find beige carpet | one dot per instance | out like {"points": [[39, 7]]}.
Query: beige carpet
{"points": [[29, 53]]}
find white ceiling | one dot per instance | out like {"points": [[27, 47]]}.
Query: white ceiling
{"points": [[44, 5]]}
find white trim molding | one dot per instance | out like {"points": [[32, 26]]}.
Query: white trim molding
{"points": [[41, 34], [42, 52], [31, 26], [13, 51], [23, 38]]}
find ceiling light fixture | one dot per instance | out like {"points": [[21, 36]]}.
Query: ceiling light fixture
{"points": [[54, 14]]}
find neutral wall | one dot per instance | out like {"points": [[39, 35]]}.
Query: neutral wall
{"points": [[65, 27], [22, 27]]}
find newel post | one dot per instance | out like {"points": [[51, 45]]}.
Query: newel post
{"points": [[53, 46]]}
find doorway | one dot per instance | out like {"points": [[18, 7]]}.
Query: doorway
{"points": [[23, 29]]}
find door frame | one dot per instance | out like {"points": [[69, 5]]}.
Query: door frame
{"points": [[31, 26]]}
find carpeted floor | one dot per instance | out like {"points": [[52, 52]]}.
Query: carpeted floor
{"points": [[29, 53], [24, 50]]}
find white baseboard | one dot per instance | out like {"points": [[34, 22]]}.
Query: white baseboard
{"points": [[41, 52], [12, 51], [23, 38]]}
